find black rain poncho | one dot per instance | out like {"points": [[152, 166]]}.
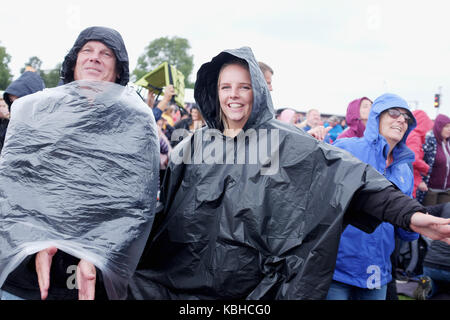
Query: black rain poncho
{"points": [[264, 229], [79, 171]]}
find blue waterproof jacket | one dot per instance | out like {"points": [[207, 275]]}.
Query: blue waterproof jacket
{"points": [[364, 259]]}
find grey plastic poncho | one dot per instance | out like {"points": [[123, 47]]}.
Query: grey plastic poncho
{"points": [[79, 171]]}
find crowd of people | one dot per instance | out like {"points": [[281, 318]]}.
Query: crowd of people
{"points": [[251, 203]]}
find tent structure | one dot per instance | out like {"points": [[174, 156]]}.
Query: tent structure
{"points": [[162, 76]]}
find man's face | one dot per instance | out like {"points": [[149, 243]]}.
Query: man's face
{"points": [[268, 77], [95, 61]]}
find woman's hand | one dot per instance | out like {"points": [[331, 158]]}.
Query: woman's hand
{"points": [[423, 187], [430, 226], [319, 132], [86, 275]]}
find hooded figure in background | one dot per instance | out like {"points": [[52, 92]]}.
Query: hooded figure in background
{"points": [[437, 156], [239, 223], [29, 82], [356, 118], [79, 182]]}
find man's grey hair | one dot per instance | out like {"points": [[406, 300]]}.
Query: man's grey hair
{"points": [[333, 119]]}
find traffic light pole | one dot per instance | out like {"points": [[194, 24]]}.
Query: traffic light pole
{"points": [[437, 100]]}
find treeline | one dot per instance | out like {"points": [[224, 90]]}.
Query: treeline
{"points": [[173, 50]]}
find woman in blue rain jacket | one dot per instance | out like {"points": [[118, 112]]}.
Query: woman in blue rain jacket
{"points": [[363, 266]]}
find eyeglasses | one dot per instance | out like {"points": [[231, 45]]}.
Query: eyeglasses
{"points": [[394, 113]]}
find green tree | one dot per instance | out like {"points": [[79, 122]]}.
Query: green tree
{"points": [[5, 72], [173, 50], [34, 62], [51, 77]]}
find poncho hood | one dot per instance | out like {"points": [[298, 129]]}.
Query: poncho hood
{"points": [[382, 103], [111, 38], [439, 123]]}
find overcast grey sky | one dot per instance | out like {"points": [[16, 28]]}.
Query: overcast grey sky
{"points": [[324, 53]]}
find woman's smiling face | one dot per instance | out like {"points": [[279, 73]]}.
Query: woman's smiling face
{"points": [[235, 95]]}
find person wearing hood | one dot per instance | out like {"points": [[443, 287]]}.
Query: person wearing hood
{"points": [[239, 223], [29, 82], [415, 141], [357, 114], [98, 55], [363, 266], [437, 156]]}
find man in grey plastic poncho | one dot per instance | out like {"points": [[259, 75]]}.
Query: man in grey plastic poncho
{"points": [[78, 179]]}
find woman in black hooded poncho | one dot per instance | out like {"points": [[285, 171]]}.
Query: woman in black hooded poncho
{"points": [[236, 227]]}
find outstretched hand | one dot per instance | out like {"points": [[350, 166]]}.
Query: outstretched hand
{"points": [[43, 263], [86, 275], [430, 226], [319, 132]]}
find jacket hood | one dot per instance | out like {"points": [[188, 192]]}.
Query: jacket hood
{"points": [[424, 123], [29, 82], [382, 103], [205, 92], [111, 38], [439, 123], [352, 116]]}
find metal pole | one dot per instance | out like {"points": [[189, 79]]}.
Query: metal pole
{"points": [[440, 100]]}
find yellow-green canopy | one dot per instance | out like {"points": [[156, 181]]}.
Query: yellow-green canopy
{"points": [[162, 76]]}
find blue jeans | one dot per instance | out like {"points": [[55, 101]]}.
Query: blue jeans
{"points": [[342, 291], [8, 296], [438, 277]]}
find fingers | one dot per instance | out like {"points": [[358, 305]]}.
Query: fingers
{"points": [[435, 231], [439, 221], [443, 230], [422, 220], [86, 277], [43, 262]]}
